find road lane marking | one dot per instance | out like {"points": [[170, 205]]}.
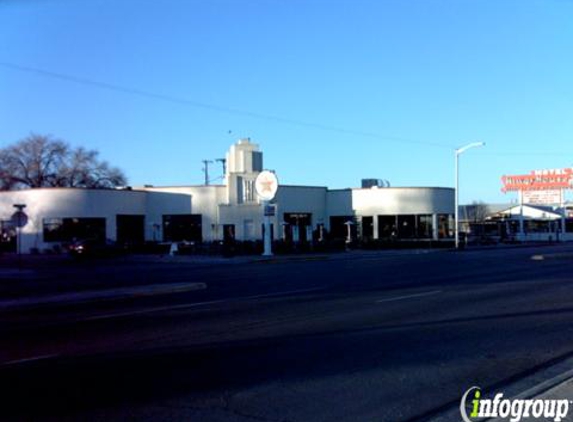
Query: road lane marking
{"points": [[198, 304], [102, 295], [31, 359], [393, 299]]}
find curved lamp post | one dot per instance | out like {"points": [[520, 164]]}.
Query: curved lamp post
{"points": [[459, 152]]}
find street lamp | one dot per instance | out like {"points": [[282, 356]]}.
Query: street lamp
{"points": [[458, 152]]}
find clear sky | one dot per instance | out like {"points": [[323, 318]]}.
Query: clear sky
{"points": [[332, 90]]}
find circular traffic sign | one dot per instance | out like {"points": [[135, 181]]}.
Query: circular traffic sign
{"points": [[266, 185], [19, 219]]}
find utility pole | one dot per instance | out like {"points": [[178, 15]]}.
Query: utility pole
{"points": [[206, 170], [223, 162]]}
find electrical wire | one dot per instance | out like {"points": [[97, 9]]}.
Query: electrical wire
{"points": [[213, 107]]}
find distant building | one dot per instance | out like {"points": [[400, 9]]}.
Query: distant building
{"points": [[516, 222], [209, 213]]}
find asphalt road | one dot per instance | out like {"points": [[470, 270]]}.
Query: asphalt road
{"points": [[392, 336]]}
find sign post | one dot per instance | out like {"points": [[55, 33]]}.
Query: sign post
{"points": [[266, 186], [19, 219]]}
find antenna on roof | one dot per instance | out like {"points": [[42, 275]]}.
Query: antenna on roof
{"points": [[223, 161], [206, 170]]}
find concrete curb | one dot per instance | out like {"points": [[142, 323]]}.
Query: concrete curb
{"points": [[530, 386]]}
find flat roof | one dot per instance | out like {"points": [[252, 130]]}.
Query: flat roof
{"points": [[393, 187], [129, 189]]}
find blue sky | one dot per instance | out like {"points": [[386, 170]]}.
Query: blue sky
{"points": [[362, 88]]}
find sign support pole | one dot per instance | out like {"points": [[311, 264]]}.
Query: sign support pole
{"points": [[21, 220], [563, 216], [521, 221], [268, 251], [266, 186], [19, 243]]}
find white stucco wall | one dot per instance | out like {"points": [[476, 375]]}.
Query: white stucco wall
{"points": [[339, 203], [159, 204], [212, 203], [302, 199], [205, 201], [68, 203], [88, 203], [393, 201]]}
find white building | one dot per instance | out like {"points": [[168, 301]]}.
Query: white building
{"points": [[215, 212]]}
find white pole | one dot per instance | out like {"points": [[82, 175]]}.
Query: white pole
{"points": [[563, 216], [267, 239], [457, 200], [521, 220], [458, 152]]}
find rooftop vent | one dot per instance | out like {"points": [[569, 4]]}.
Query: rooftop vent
{"points": [[375, 183]]}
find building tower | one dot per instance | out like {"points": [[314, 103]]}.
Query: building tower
{"points": [[244, 163]]}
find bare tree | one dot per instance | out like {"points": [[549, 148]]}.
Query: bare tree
{"points": [[478, 212], [41, 161]]}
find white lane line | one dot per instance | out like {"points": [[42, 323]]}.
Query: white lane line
{"points": [[393, 299], [108, 294], [197, 304], [32, 359]]}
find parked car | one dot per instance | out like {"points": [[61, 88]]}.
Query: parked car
{"points": [[95, 248]]}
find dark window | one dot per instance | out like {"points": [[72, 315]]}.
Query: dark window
{"points": [[537, 226], [367, 227], [424, 226], [54, 230], [130, 229], [184, 227], [7, 236], [70, 229], [387, 226], [228, 232], [406, 226], [299, 220], [257, 161], [339, 227], [445, 226]]}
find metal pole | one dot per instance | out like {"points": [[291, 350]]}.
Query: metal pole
{"points": [[521, 221], [456, 218], [19, 242], [267, 224], [206, 171], [458, 152], [563, 216]]}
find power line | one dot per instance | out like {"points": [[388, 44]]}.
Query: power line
{"points": [[213, 107], [519, 154]]}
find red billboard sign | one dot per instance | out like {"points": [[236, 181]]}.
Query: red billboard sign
{"points": [[539, 180]]}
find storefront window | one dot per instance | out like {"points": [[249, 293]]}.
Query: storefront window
{"points": [[425, 226], [70, 229], [387, 226], [445, 226], [367, 226], [184, 227], [406, 226]]}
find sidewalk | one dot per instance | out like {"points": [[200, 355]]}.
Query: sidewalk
{"points": [[32, 264], [553, 382], [563, 391]]}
